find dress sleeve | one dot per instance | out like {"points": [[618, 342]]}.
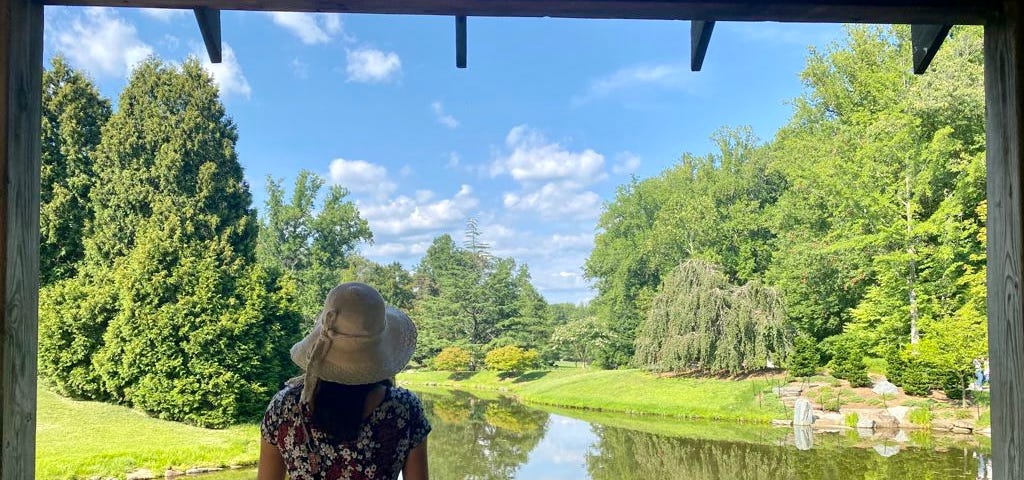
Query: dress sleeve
{"points": [[272, 419], [419, 426]]}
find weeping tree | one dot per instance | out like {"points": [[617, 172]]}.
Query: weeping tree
{"points": [[698, 320]]}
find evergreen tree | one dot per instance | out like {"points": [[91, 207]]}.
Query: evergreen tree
{"points": [[393, 281], [73, 114], [192, 328]]}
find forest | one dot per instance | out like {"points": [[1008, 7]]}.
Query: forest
{"points": [[857, 232]]}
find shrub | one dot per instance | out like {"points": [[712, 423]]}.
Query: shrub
{"points": [[916, 378], [848, 364], [455, 359], [953, 384], [920, 416], [805, 359], [511, 359], [851, 419]]}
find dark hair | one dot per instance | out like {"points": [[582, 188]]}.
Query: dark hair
{"points": [[338, 409]]}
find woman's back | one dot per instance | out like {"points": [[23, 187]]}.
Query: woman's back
{"points": [[378, 451]]}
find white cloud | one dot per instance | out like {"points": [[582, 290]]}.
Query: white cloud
{"points": [[164, 14], [533, 159], [228, 74], [556, 200], [100, 41], [577, 242], [406, 215], [662, 75], [453, 160], [300, 68], [310, 28], [368, 65], [442, 117], [626, 162], [361, 176]]}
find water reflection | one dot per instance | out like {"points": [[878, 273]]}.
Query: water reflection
{"points": [[501, 439]]}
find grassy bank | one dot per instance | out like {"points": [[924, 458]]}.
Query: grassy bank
{"points": [[628, 391], [83, 439]]}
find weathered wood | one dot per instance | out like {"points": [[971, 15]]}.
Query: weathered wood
{"points": [[1004, 95], [842, 11], [926, 41], [21, 51], [460, 42], [209, 26], [700, 38]]}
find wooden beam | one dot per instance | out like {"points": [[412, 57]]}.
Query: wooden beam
{"points": [[209, 26], [1004, 135], [700, 37], [21, 61], [926, 41], [460, 41], [835, 11]]}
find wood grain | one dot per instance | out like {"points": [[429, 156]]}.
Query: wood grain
{"points": [[21, 44], [845, 11], [1004, 71]]}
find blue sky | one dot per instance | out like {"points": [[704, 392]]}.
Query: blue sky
{"points": [[531, 139]]}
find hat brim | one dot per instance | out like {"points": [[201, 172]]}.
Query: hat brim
{"points": [[363, 360]]}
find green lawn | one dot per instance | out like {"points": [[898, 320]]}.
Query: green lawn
{"points": [[83, 439], [629, 391]]}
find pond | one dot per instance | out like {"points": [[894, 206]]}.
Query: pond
{"points": [[498, 438]]}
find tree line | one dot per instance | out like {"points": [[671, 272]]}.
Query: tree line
{"points": [[865, 215], [164, 290]]}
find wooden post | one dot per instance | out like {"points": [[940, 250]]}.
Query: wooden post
{"points": [[460, 41], [1004, 93], [21, 61]]}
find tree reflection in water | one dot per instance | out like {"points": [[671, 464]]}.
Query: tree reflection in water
{"points": [[477, 439], [480, 439]]}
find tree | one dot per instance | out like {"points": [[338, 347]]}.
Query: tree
{"points": [[805, 359], [453, 359], [393, 281], [699, 320], [187, 326], [511, 359], [311, 243], [73, 115], [580, 338]]}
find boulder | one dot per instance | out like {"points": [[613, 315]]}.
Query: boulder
{"points": [[198, 470], [782, 423], [987, 431], [902, 437], [803, 412], [883, 387], [803, 437], [884, 420], [788, 391], [887, 450], [141, 474], [829, 419], [172, 473], [901, 415], [865, 424], [962, 427]]}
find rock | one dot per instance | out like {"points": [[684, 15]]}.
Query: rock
{"points": [[883, 387], [782, 423], [198, 470], [141, 474], [886, 421], [802, 413], [987, 431], [962, 427], [942, 425], [829, 419], [172, 473], [900, 414], [803, 437], [865, 433], [865, 424], [887, 450], [788, 391]]}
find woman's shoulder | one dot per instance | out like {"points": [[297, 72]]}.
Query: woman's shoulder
{"points": [[404, 397], [286, 398]]}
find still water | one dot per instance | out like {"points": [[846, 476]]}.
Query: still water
{"points": [[499, 438]]}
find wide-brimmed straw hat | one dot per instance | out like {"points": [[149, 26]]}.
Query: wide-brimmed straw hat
{"points": [[357, 339]]}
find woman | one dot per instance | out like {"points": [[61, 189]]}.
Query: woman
{"points": [[344, 418]]}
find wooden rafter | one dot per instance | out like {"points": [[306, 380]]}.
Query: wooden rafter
{"points": [[700, 37], [926, 41], [460, 41], [836, 11], [209, 26]]}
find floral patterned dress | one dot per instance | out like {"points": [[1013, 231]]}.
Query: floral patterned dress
{"points": [[385, 439]]}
